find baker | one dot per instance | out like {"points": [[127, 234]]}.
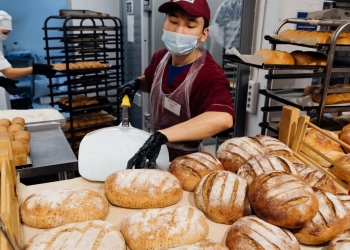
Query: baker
{"points": [[5, 67], [189, 93]]}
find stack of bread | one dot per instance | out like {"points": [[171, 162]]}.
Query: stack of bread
{"points": [[89, 119], [78, 101], [80, 65], [20, 139]]}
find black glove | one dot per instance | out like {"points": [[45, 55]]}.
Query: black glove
{"points": [[149, 151], [43, 69], [9, 85], [129, 88]]}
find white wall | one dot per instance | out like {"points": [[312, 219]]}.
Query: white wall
{"points": [[111, 7], [269, 14]]}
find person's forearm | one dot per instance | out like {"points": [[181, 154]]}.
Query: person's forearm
{"points": [[143, 86], [13, 73], [199, 127]]}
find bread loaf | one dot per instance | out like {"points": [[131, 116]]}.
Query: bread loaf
{"points": [[5, 122], [315, 178], [323, 144], [24, 137], [344, 198], [335, 98], [18, 120], [264, 163], [340, 242], [89, 235], [19, 153], [309, 58], [343, 161], [190, 168], [250, 232], [14, 128], [164, 228], [222, 197], [3, 130], [234, 152], [80, 65], [202, 245], [282, 199], [331, 219], [55, 207], [275, 56], [275, 147], [142, 188], [345, 136]]}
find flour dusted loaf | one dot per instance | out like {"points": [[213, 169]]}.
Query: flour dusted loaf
{"points": [[234, 152], [282, 199], [190, 168], [332, 218], [88, 235], [202, 245], [275, 56], [345, 136], [345, 199], [275, 147], [164, 228], [340, 242], [55, 207], [315, 178], [343, 161], [264, 163], [143, 188], [251, 232], [222, 197]]}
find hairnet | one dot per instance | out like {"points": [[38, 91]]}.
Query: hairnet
{"points": [[5, 21]]}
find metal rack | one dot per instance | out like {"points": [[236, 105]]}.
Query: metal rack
{"points": [[81, 38]]}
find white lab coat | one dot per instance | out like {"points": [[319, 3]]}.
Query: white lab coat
{"points": [[4, 96]]}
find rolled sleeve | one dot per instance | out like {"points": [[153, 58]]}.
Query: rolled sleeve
{"points": [[4, 64]]}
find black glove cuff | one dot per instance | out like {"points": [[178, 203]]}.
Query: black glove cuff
{"points": [[137, 83], [160, 137]]}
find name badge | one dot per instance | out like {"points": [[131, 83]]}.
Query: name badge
{"points": [[172, 106]]}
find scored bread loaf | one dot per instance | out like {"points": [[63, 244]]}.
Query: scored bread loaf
{"points": [[309, 58], [88, 235], [345, 199], [55, 207], [315, 178], [142, 188], [345, 137], [340, 242], [190, 168], [251, 232], [324, 145], [263, 163], [164, 228], [282, 199], [222, 196], [202, 245], [275, 56], [343, 161], [331, 219], [234, 152], [274, 146]]}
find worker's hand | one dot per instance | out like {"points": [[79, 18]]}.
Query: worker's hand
{"points": [[129, 88], [9, 85], [43, 69], [149, 151]]}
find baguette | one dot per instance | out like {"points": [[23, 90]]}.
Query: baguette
{"points": [[275, 56]]}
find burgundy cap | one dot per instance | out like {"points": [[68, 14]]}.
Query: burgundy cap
{"points": [[197, 8]]}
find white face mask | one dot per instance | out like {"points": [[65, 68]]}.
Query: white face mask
{"points": [[179, 44], [3, 37]]}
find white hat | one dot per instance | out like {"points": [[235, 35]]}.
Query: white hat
{"points": [[5, 21]]}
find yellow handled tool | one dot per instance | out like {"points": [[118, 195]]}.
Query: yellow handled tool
{"points": [[125, 111]]}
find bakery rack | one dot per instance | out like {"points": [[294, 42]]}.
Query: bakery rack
{"points": [[74, 38], [335, 67]]}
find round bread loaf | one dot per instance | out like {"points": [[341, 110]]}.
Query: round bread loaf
{"points": [[345, 199], [343, 161], [323, 144], [340, 242], [202, 245], [315, 178], [275, 147], [14, 128], [55, 207], [222, 196], [164, 228], [250, 232], [345, 137], [275, 56], [88, 235], [264, 163], [332, 218], [18, 120], [190, 168], [234, 152], [143, 188], [282, 199], [5, 122]]}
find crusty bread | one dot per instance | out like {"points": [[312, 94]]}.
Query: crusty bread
{"points": [[335, 98], [345, 136], [164, 228], [315, 178], [282, 199], [345, 199], [331, 219], [55, 207], [19, 153], [234, 152], [275, 56], [343, 161], [324, 145], [309, 58], [274, 146], [5, 122], [190, 168], [202, 245], [251, 232], [88, 235], [340, 242], [142, 188], [264, 163], [222, 196]]}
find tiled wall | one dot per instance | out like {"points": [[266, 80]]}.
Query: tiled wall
{"points": [[269, 14]]}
